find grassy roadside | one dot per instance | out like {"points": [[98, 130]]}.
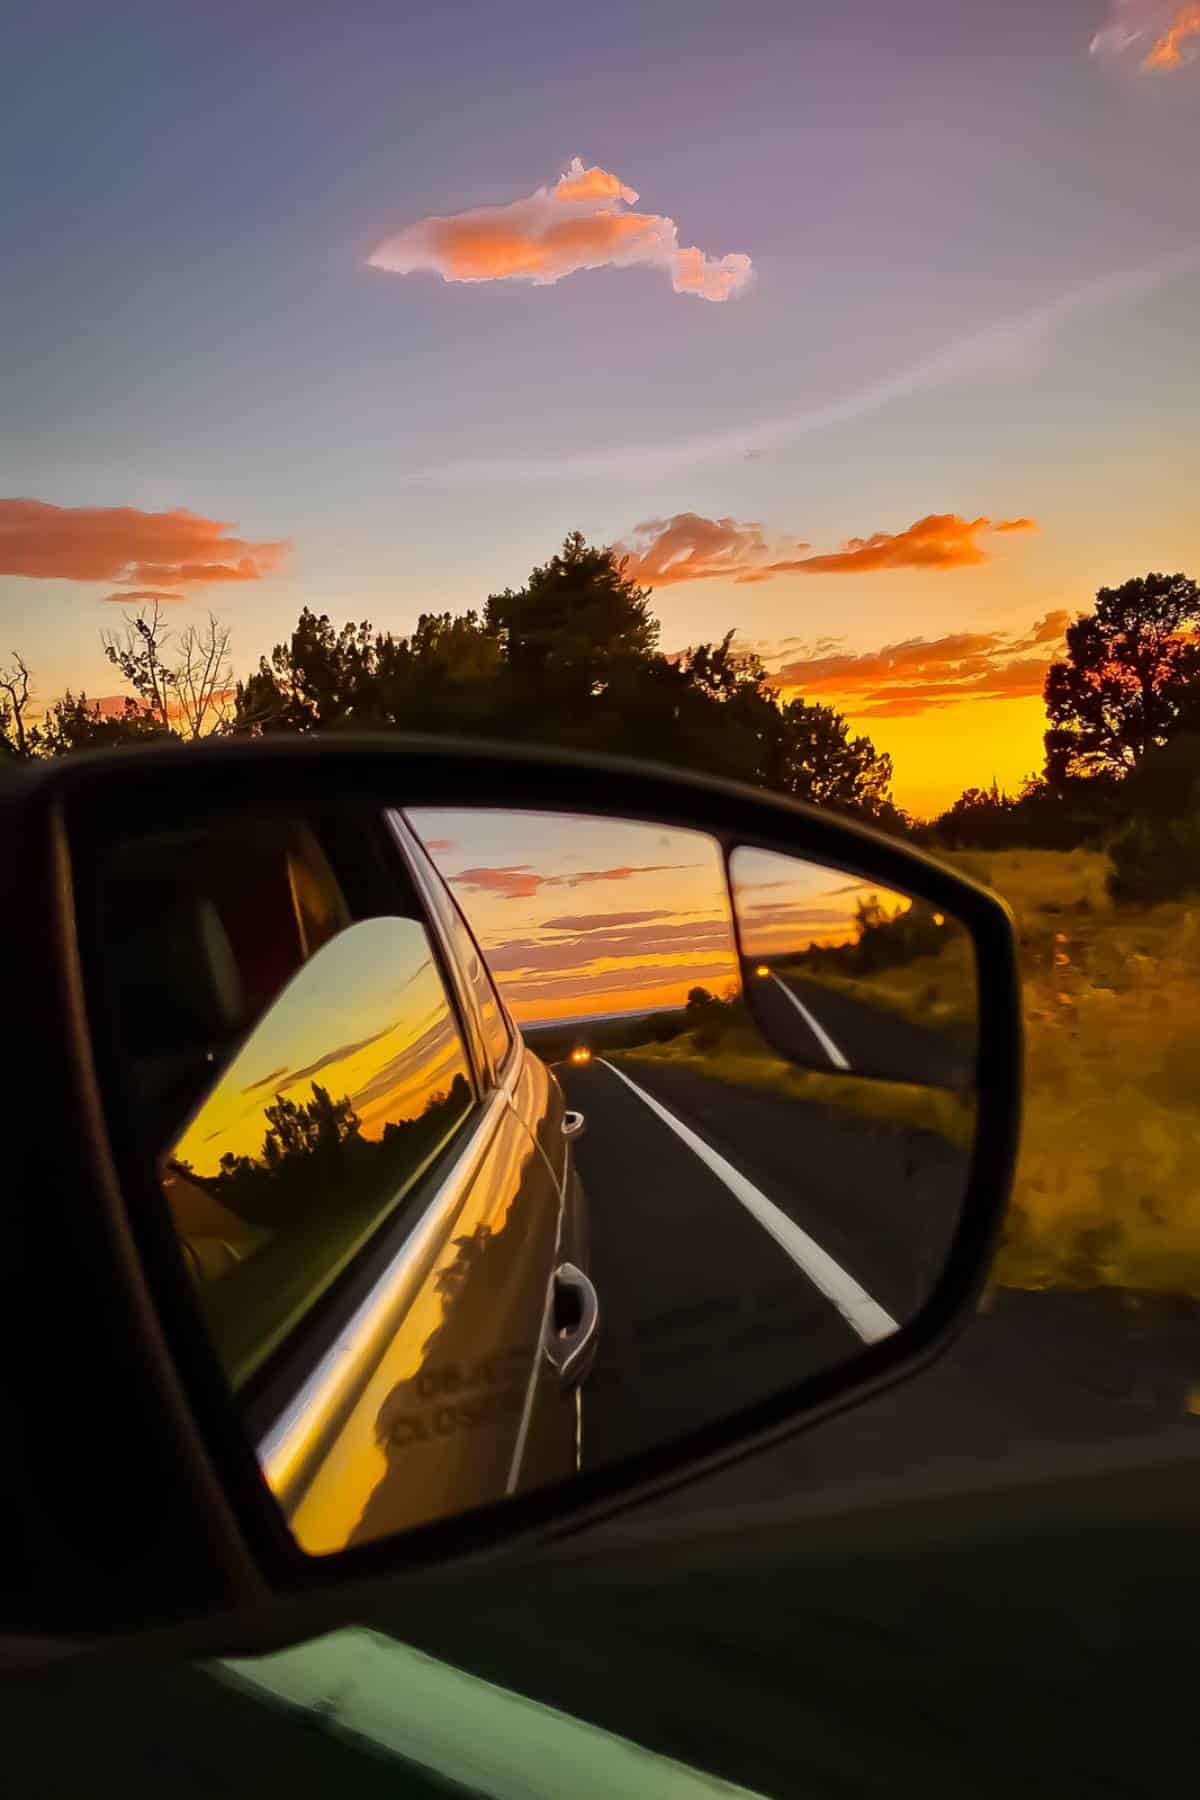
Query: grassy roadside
{"points": [[742, 1058], [1108, 1183], [936, 992]]}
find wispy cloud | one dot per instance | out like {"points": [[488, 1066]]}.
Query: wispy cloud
{"points": [[918, 675], [601, 921], [519, 881], [1015, 344], [1159, 34], [582, 222], [142, 596], [689, 547], [594, 952], [146, 551]]}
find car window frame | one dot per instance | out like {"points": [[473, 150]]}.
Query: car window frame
{"points": [[440, 902], [269, 1389]]}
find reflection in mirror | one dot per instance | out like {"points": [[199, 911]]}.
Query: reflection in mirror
{"points": [[349, 1087], [497, 1149], [843, 974], [756, 1211]]}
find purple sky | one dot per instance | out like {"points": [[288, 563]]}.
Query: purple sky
{"points": [[888, 263]]}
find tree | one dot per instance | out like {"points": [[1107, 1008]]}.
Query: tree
{"points": [[574, 624], [188, 689], [1130, 677], [18, 739], [201, 679], [76, 723], [570, 659], [443, 677], [818, 760], [137, 653]]}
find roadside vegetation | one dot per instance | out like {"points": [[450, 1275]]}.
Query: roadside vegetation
{"points": [[1108, 1183], [911, 960], [718, 1039], [1098, 854]]}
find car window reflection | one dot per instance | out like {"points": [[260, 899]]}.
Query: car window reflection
{"points": [[341, 1097]]}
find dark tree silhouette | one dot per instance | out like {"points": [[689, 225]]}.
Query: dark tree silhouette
{"points": [[570, 659], [18, 739], [576, 624], [1129, 679], [76, 723], [314, 1157]]}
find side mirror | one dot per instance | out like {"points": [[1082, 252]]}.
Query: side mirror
{"points": [[310, 1223]]}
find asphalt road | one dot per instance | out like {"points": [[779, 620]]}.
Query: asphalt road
{"points": [[823, 1028], [704, 1309]]}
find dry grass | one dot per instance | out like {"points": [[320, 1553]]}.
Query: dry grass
{"points": [[743, 1058], [1108, 1183], [937, 992]]}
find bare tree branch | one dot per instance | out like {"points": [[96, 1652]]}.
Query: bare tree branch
{"points": [[202, 679], [15, 683]]}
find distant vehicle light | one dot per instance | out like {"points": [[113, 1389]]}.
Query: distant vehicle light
{"points": [[939, 918], [762, 970], [581, 1054]]}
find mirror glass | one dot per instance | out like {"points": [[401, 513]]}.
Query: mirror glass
{"points": [[497, 1146], [845, 976]]}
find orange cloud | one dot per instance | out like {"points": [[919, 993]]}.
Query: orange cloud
{"points": [[924, 674], [579, 223], [1167, 52], [689, 547], [938, 541], [601, 921], [122, 544], [515, 882], [1165, 25], [1049, 629], [140, 596], [518, 881]]}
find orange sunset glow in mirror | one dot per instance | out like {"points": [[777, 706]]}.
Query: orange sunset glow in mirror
{"points": [[584, 917], [851, 977], [345, 1089]]}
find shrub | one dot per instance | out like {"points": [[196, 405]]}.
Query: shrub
{"points": [[1155, 859]]}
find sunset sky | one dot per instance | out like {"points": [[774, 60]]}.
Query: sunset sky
{"points": [[579, 915], [867, 329], [366, 1019], [586, 916]]}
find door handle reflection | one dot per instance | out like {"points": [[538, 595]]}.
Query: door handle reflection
{"points": [[572, 1328]]}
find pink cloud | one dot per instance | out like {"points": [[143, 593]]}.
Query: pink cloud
{"points": [[921, 674], [579, 223], [689, 547], [123, 544], [518, 881], [600, 921]]}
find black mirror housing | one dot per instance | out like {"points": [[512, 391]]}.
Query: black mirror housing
{"points": [[131, 1495]]}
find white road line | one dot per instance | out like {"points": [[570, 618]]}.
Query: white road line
{"points": [[814, 1025], [864, 1315]]}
